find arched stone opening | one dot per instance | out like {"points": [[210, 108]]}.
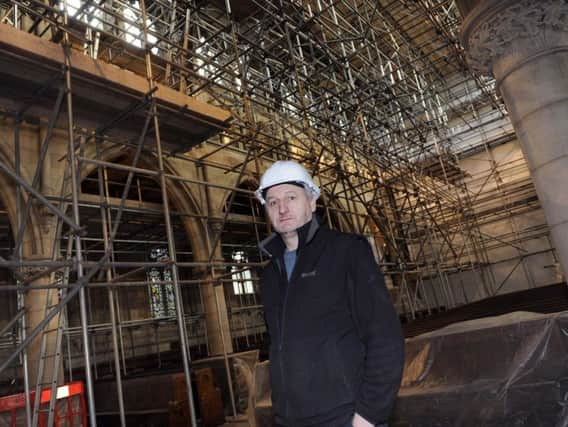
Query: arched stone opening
{"points": [[144, 295], [245, 226]]}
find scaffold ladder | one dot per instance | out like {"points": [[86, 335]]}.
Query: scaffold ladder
{"points": [[50, 350]]}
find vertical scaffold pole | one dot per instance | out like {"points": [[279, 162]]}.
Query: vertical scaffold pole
{"points": [[75, 208], [170, 236], [20, 295]]}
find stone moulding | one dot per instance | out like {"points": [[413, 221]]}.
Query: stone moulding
{"points": [[494, 29]]}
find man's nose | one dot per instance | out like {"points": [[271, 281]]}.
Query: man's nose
{"points": [[282, 207]]}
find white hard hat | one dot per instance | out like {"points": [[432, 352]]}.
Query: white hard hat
{"points": [[285, 172]]}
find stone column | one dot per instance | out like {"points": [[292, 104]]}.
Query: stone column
{"points": [[215, 305], [216, 316], [37, 241], [36, 302], [523, 44]]}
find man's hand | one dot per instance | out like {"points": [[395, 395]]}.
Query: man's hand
{"points": [[359, 421]]}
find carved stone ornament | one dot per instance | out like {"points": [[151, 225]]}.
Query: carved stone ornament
{"points": [[524, 27], [28, 273], [216, 225]]}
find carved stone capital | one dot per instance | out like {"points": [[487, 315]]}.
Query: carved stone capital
{"points": [[216, 225], [517, 29], [31, 273]]}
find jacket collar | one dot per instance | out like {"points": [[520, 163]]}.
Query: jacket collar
{"points": [[273, 245]]}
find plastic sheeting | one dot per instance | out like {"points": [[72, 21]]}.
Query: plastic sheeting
{"points": [[510, 370]]}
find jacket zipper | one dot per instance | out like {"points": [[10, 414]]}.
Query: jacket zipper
{"points": [[282, 319], [281, 341]]}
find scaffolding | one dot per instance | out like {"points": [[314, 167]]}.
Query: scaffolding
{"points": [[374, 97]]}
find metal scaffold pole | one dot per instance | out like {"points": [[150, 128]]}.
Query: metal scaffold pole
{"points": [[111, 294], [173, 109], [74, 177], [20, 296], [186, 358]]}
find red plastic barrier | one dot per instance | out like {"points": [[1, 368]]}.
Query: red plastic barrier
{"points": [[70, 407]]}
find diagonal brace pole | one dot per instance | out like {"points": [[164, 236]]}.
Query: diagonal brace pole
{"points": [[40, 197], [54, 311]]}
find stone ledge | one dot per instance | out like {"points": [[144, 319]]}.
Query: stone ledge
{"points": [[100, 92]]}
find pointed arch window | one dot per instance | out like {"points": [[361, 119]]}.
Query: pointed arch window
{"points": [[242, 278]]}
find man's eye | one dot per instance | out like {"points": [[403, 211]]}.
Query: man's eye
{"points": [[292, 197], [272, 203]]}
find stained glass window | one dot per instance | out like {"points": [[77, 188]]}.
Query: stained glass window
{"points": [[162, 298]]}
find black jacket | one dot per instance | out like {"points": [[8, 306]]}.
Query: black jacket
{"points": [[336, 342]]}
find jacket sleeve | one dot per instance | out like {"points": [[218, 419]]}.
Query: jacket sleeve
{"points": [[379, 329]]}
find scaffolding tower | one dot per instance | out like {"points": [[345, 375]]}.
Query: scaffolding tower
{"points": [[374, 97]]}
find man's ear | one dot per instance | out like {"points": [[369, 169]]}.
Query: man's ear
{"points": [[313, 201]]}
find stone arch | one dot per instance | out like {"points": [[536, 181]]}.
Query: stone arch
{"points": [[180, 195], [249, 183], [245, 204], [246, 183], [182, 198], [246, 223]]}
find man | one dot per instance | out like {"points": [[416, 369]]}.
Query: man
{"points": [[336, 351]]}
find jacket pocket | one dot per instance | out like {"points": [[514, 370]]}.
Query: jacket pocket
{"points": [[316, 382]]}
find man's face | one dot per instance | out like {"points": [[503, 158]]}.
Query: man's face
{"points": [[289, 207]]}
